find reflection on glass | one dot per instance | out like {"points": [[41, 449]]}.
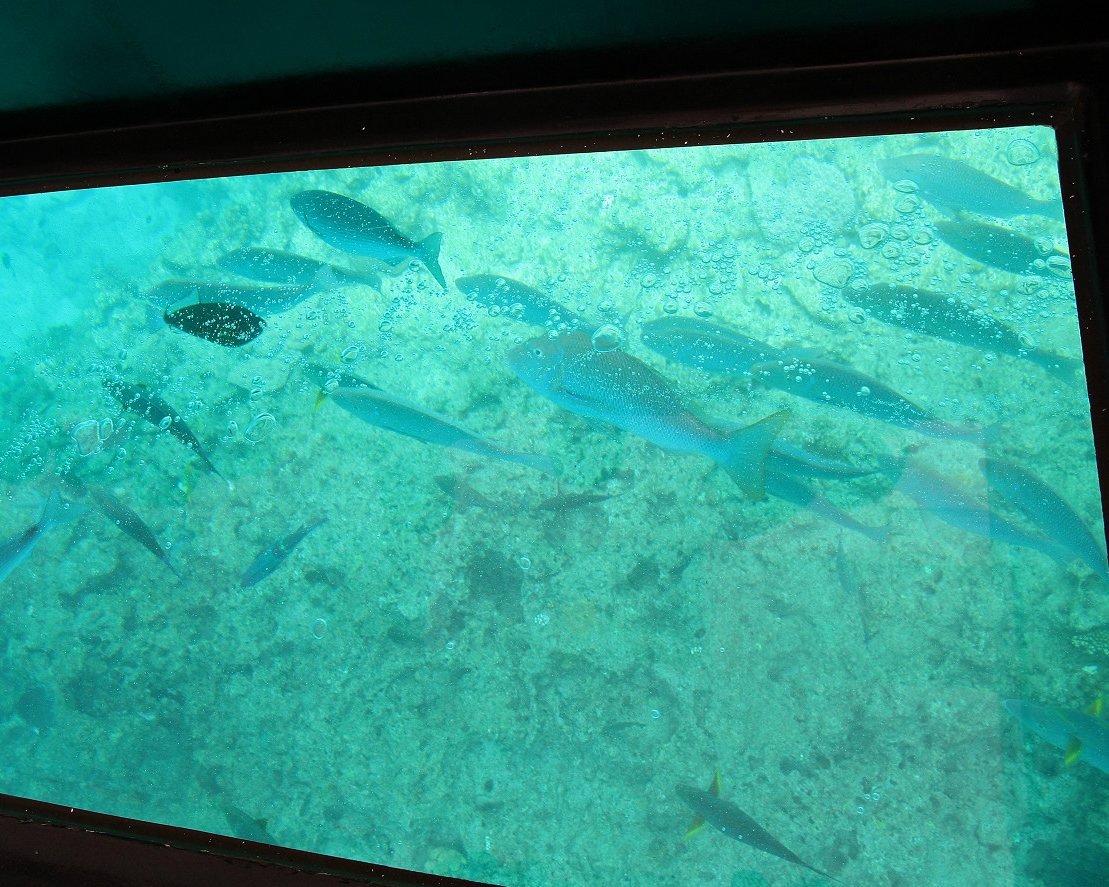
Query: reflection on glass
{"points": [[558, 520]]}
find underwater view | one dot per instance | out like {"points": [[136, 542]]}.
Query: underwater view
{"points": [[721, 515]]}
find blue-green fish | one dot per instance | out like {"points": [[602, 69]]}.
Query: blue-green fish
{"points": [[954, 185], [783, 486], [17, 549], [787, 458], [619, 389], [834, 384], [707, 346], [709, 807], [131, 524], [272, 556], [992, 245], [261, 300], [1083, 735], [955, 320], [385, 411], [521, 302], [1046, 509], [289, 269], [354, 228]]}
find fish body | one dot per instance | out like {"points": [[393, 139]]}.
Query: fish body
{"points": [[354, 228], [849, 585], [271, 557], [130, 523], [289, 269], [954, 185], [140, 401], [385, 411], [790, 489], [823, 381], [1046, 509], [521, 302], [221, 322], [330, 378], [1081, 734], [991, 244], [17, 549], [261, 300], [787, 458], [619, 389], [954, 320], [706, 346], [733, 822]]}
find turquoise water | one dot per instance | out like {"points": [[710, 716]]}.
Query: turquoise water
{"points": [[467, 670]]}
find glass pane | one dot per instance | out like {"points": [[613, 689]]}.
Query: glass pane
{"points": [[509, 518]]}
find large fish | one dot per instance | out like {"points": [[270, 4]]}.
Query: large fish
{"points": [[521, 302], [385, 411], [725, 816], [992, 245], [619, 389], [955, 320], [289, 269], [261, 300], [705, 345], [354, 228], [1083, 735], [954, 185], [157, 412], [834, 384], [1046, 509], [17, 549], [272, 556]]}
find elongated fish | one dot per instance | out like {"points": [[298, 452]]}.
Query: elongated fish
{"points": [[954, 320], [1083, 735], [289, 269], [17, 549], [954, 185], [261, 300], [790, 489], [157, 412], [521, 302], [619, 389], [1046, 509], [937, 495], [733, 822], [834, 384], [787, 458], [354, 228], [992, 245], [131, 524], [385, 411], [707, 346], [272, 556]]}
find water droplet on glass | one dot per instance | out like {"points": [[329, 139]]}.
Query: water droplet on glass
{"points": [[856, 314], [384, 326], [231, 430], [835, 273], [260, 427], [1044, 246], [910, 203], [166, 422], [1027, 340], [1022, 152], [121, 453], [525, 563], [350, 354], [670, 306], [104, 429], [319, 628], [1030, 285], [864, 391], [256, 394], [806, 244], [702, 309], [922, 236], [649, 280], [1059, 266], [905, 186], [86, 436], [607, 338], [891, 251], [873, 234]]}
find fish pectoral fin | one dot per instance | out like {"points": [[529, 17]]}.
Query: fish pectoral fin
{"points": [[695, 825], [1073, 751]]}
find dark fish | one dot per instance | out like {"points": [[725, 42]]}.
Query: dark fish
{"points": [[955, 320], [570, 501], [992, 245], [274, 555], [521, 302], [464, 495], [17, 549], [850, 586], [954, 185], [783, 486], [707, 346], [131, 524], [834, 384], [288, 269], [354, 228], [733, 822], [1047, 510], [159, 413], [219, 322], [262, 300], [619, 389]]}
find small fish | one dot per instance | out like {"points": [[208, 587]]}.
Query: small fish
{"points": [[850, 586], [274, 555], [834, 384], [157, 412], [955, 320], [218, 322], [354, 228], [289, 269], [787, 458], [789, 489], [54, 513], [708, 807], [569, 501], [1083, 735], [131, 524], [707, 346], [385, 411], [262, 300], [1046, 509], [619, 389], [954, 185], [992, 245], [464, 495], [521, 302]]}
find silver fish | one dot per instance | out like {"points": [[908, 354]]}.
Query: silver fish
{"points": [[54, 513], [521, 302], [707, 346], [261, 300], [992, 245], [783, 486], [289, 269], [619, 389]]}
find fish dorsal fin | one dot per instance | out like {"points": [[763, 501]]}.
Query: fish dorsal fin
{"points": [[1073, 751], [714, 786]]}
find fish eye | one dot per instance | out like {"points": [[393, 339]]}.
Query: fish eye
{"points": [[536, 352]]}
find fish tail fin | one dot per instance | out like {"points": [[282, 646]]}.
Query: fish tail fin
{"points": [[695, 825], [1096, 707], [746, 451], [56, 511], [540, 463], [1073, 751], [1063, 368], [428, 251]]}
